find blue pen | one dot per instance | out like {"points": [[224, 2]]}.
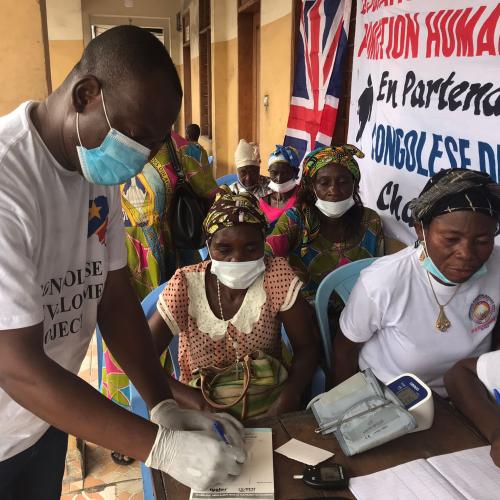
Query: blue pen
{"points": [[497, 395], [219, 430]]}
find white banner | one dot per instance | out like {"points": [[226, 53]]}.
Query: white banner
{"points": [[425, 95]]}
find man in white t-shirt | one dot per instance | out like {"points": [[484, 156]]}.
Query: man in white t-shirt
{"points": [[423, 309], [474, 387], [63, 267]]}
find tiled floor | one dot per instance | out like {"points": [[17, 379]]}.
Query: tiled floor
{"points": [[104, 479]]}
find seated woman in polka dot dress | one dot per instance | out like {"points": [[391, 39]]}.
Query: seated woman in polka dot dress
{"points": [[234, 304]]}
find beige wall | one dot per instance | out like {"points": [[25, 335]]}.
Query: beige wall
{"points": [[64, 54], [64, 26], [23, 60], [276, 52], [225, 104]]}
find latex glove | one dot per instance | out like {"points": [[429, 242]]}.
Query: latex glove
{"points": [[169, 415], [197, 459]]}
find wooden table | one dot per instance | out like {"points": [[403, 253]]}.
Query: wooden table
{"points": [[450, 432]]}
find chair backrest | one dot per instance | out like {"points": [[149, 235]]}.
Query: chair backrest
{"points": [[203, 251], [342, 281], [227, 179], [149, 307]]}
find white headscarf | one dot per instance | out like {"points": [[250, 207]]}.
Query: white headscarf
{"points": [[247, 153]]}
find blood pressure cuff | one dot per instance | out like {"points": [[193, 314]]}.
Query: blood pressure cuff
{"points": [[372, 422], [362, 413]]}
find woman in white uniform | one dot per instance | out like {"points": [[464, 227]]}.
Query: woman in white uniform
{"points": [[424, 308]]}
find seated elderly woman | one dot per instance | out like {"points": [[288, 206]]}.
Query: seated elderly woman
{"points": [[424, 308], [247, 162], [283, 165], [328, 227], [233, 305]]}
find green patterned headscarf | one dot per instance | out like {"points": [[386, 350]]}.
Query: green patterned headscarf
{"points": [[341, 155], [229, 210]]}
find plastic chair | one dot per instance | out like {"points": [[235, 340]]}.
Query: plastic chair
{"points": [[203, 253], [342, 281], [149, 307], [227, 179]]}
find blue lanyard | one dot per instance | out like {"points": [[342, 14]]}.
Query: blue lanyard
{"points": [[497, 395]]}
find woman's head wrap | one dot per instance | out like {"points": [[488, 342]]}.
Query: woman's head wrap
{"points": [[231, 209], [453, 190], [341, 155], [285, 154], [247, 153]]}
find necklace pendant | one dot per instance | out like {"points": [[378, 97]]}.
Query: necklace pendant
{"points": [[442, 322]]}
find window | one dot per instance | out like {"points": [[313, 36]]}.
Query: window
{"points": [[205, 70]]}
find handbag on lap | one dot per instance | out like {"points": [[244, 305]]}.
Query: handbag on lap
{"points": [[246, 388]]}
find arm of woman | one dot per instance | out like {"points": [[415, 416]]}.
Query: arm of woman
{"points": [[471, 397], [300, 326], [360, 319], [345, 358], [186, 397]]}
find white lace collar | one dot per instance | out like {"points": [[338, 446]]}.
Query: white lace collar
{"points": [[199, 308]]}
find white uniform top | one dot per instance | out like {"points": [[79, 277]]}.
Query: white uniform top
{"points": [[59, 237], [488, 370], [393, 312]]}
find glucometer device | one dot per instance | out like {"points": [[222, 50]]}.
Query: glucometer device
{"points": [[416, 397], [325, 477]]}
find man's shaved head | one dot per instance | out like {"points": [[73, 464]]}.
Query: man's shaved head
{"points": [[125, 53]]}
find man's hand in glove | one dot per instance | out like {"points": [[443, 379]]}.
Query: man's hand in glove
{"points": [[198, 459], [170, 416]]}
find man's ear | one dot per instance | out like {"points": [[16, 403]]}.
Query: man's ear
{"points": [[84, 91], [419, 230]]}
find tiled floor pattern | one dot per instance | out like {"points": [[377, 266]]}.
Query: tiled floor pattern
{"points": [[104, 479]]}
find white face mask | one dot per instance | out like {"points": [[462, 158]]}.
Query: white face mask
{"points": [[237, 275], [284, 187], [334, 209]]}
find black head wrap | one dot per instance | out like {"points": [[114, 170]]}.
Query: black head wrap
{"points": [[453, 190]]}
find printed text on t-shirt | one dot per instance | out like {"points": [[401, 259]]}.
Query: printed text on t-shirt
{"points": [[67, 301]]}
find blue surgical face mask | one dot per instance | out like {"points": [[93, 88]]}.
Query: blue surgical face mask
{"points": [[115, 161], [428, 264]]}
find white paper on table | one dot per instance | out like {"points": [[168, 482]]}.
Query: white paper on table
{"points": [[463, 475], [416, 480], [256, 480], [472, 472], [303, 452]]}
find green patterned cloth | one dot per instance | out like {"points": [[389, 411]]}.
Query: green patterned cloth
{"points": [[151, 258], [312, 256]]}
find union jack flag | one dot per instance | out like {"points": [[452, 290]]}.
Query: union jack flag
{"points": [[321, 47]]}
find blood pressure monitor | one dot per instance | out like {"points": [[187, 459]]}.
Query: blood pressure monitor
{"points": [[416, 398]]}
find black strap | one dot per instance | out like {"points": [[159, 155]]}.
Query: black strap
{"points": [[174, 159]]}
